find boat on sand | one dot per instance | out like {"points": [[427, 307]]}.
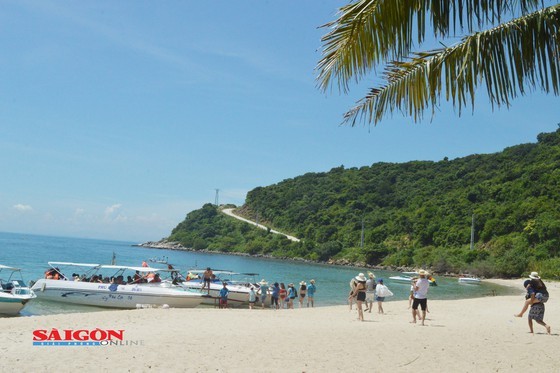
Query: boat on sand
{"points": [[148, 287], [14, 293]]}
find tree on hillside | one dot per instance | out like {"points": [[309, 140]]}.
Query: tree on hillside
{"points": [[510, 46]]}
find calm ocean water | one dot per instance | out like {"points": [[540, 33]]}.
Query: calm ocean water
{"points": [[31, 253]]}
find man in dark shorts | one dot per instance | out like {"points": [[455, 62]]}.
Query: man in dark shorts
{"points": [[206, 277], [420, 295]]}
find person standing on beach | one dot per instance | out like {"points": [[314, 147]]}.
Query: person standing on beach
{"points": [[311, 289], [360, 293], [292, 294], [420, 296], [264, 290], [283, 294], [206, 278], [302, 292], [274, 295], [370, 291], [252, 297], [224, 292], [353, 284]]}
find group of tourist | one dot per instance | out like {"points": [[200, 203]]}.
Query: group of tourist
{"points": [[367, 290], [282, 296]]}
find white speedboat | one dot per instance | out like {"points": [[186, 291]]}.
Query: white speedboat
{"points": [[85, 288], [401, 278], [238, 285], [14, 294], [469, 280]]}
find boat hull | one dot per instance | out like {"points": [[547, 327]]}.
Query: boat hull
{"points": [[115, 296], [468, 280], [238, 295]]}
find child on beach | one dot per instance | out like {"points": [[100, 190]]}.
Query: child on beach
{"points": [[224, 292]]}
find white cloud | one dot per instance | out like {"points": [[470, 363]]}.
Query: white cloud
{"points": [[111, 210], [23, 208]]}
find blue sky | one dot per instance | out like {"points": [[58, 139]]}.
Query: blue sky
{"points": [[117, 118]]}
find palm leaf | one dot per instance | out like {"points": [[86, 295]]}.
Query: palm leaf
{"points": [[370, 31], [509, 59]]}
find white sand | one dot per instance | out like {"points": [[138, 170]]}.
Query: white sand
{"points": [[472, 335]]}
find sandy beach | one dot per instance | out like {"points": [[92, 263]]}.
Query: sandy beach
{"points": [[471, 335]]}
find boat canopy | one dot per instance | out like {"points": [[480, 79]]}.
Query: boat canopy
{"points": [[108, 266], [9, 268]]}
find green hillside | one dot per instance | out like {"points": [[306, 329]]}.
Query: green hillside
{"points": [[413, 214]]}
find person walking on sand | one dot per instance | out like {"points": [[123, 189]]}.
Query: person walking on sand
{"points": [[537, 293], [360, 293], [264, 290], [311, 289], [421, 287], [370, 291], [302, 293], [536, 312], [382, 292]]}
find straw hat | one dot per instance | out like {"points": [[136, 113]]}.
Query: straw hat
{"points": [[423, 272], [312, 281], [371, 275], [303, 283], [361, 277], [534, 276], [263, 282]]}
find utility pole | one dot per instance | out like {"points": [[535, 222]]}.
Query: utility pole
{"points": [[217, 199], [472, 233], [362, 238]]}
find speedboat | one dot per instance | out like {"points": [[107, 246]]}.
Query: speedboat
{"points": [[468, 279], [144, 287], [14, 294], [238, 285], [401, 278]]}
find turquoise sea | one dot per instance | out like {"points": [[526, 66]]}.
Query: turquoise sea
{"points": [[32, 252]]}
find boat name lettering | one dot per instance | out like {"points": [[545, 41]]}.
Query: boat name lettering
{"points": [[78, 335], [102, 287]]}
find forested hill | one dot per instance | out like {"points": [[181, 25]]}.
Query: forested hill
{"points": [[413, 214]]}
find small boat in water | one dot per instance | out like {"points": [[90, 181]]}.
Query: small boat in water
{"points": [[401, 278], [14, 293], [468, 279], [144, 287]]}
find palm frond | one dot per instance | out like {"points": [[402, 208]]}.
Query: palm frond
{"points": [[369, 31], [508, 59]]}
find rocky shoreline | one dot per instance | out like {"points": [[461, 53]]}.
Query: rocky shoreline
{"points": [[174, 245]]}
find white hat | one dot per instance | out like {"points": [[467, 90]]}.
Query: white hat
{"points": [[423, 272], [302, 283], [263, 282], [371, 275], [361, 277], [534, 275]]}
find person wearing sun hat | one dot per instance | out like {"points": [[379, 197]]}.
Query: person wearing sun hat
{"points": [[536, 292], [302, 292], [420, 295], [263, 291], [360, 293], [311, 289], [370, 291]]}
